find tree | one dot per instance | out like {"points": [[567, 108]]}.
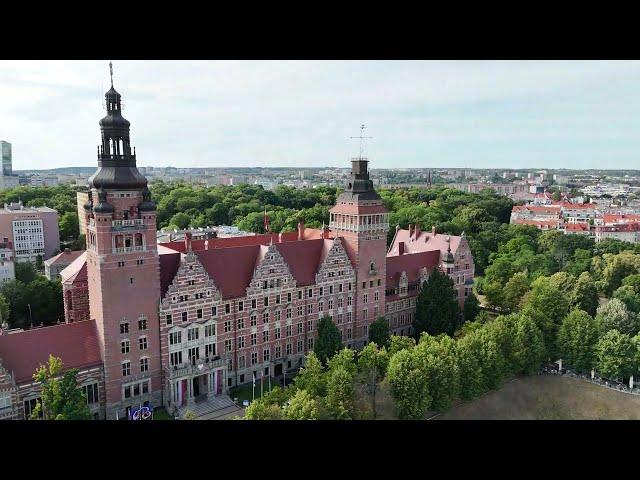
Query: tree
{"points": [[615, 315], [261, 409], [4, 311], [328, 341], [409, 386], [25, 272], [379, 332], [528, 345], [191, 415], [69, 226], [302, 406], [585, 294], [180, 220], [339, 402], [616, 355], [514, 290], [577, 339], [400, 342], [440, 365], [61, 398], [437, 308], [345, 358], [629, 296], [311, 376], [547, 308], [372, 367], [468, 350], [471, 307]]}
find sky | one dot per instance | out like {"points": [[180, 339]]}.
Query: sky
{"points": [[421, 114]]}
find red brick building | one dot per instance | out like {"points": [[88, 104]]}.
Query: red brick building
{"points": [[175, 321]]}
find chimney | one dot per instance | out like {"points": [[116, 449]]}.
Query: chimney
{"points": [[416, 231], [301, 230], [325, 232], [410, 230], [187, 241], [401, 248], [433, 230]]}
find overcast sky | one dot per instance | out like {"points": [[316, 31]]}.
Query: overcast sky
{"points": [[554, 114]]}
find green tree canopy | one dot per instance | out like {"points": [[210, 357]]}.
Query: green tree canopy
{"points": [[616, 355], [577, 339], [409, 385], [585, 294], [437, 308], [379, 332], [328, 341]]}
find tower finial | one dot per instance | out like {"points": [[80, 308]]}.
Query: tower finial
{"points": [[111, 72], [361, 137]]}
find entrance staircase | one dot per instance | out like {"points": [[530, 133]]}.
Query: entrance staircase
{"points": [[211, 407]]}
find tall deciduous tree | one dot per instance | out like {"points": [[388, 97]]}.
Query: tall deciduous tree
{"points": [[302, 406], [372, 367], [514, 290], [585, 294], [311, 376], [409, 385], [469, 351], [339, 402], [61, 397], [616, 355], [328, 342], [577, 339], [471, 307], [400, 342], [439, 362], [379, 332], [528, 345], [615, 315], [437, 308]]}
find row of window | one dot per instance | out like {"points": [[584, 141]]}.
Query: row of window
{"points": [[142, 325], [126, 366], [266, 353], [125, 345]]}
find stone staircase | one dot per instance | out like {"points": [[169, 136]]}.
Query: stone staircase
{"points": [[211, 408]]}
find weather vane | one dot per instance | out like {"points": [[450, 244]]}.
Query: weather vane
{"points": [[361, 137], [111, 72]]}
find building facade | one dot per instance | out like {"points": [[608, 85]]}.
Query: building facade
{"points": [[33, 231]]}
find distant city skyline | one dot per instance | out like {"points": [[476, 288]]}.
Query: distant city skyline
{"points": [[422, 114]]}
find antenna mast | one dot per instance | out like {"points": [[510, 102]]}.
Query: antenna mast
{"points": [[361, 137]]}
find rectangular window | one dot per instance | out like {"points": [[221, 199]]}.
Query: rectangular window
{"points": [[320, 306], [265, 336], [321, 291], [277, 299], [254, 320], [90, 392], [299, 294], [240, 306], [265, 317], [289, 349], [227, 308], [241, 342], [288, 313], [253, 303], [309, 325], [299, 346], [288, 330], [300, 327], [254, 339], [240, 323], [176, 358], [192, 334], [210, 330], [184, 316], [124, 346], [169, 319], [266, 301], [142, 343], [278, 352], [144, 365], [289, 297], [210, 350], [300, 310], [175, 338], [142, 324], [277, 333], [309, 343], [124, 327], [227, 345], [126, 369], [199, 313], [241, 364], [194, 354], [309, 308], [254, 358], [227, 326], [214, 311], [266, 353], [310, 293]]}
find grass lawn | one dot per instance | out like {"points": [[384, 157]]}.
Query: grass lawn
{"points": [[245, 392]]}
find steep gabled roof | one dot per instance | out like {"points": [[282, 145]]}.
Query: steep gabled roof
{"points": [[410, 263], [169, 264], [424, 242], [230, 268], [65, 257], [76, 270], [303, 258], [75, 343]]}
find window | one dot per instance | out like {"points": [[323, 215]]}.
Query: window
{"points": [[376, 296], [253, 303], [175, 338], [330, 304], [348, 334], [144, 365], [254, 319], [142, 343], [199, 313], [254, 339], [300, 327], [299, 346], [169, 319], [364, 313], [309, 343], [365, 298], [227, 345], [214, 311], [289, 349], [300, 310], [241, 342], [125, 346], [299, 294], [240, 306], [194, 354], [265, 317], [30, 405], [192, 334], [176, 358], [288, 330], [288, 312], [265, 336], [126, 368], [289, 297], [227, 326], [330, 289], [90, 392], [310, 293], [124, 327], [227, 308], [254, 358], [184, 316], [240, 323], [266, 353], [241, 364], [278, 315], [320, 306], [277, 299], [277, 333], [5, 401], [210, 330], [340, 302], [321, 291], [278, 353], [266, 301], [309, 325], [365, 330], [309, 308]]}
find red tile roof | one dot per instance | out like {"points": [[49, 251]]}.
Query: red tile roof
{"points": [[619, 227], [303, 258], [230, 268], [410, 263], [577, 227], [424, 242], [169, 264], [75, 343], [65, 257], [610, 218]]}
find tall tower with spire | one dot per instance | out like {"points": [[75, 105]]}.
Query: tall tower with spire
{"points": [[361, 219], [123, 268]]}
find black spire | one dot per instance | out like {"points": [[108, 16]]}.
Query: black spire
{"points": [[116, 162]]}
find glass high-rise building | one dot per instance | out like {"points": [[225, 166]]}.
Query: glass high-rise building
{"points": [[5, 153]]}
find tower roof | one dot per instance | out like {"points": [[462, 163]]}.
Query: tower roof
{"points": [[359, 186]]}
